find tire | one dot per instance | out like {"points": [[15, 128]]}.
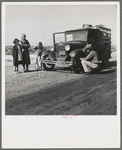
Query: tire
{"points": [[105, 59], [47, 67], [76, 65]]}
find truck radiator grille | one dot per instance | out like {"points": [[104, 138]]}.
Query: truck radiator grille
{"points": [[60, 51]]}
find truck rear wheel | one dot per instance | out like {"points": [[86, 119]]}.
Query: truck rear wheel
{"points": [[46, 66], [105, 59], [76, 65]]}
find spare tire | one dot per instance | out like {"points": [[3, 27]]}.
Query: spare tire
{"points": [[46, 66]]}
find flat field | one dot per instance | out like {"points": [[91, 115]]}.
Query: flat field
{"points": [[60, 92]]}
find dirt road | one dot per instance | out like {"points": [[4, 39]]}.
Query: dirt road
{"points": [[61, 92]]}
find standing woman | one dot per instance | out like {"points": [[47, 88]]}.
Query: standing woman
{"points": [[25, 52], [17, 54]]}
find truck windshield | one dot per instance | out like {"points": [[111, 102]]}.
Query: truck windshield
{"points": [[59, 37], [76, 36]]}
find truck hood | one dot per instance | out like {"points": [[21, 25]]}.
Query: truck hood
{"points": [[77, 44]]}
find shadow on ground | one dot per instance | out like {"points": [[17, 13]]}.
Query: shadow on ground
{"points": [[102, 70], [108, 69]]}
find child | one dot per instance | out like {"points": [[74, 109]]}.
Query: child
{"points": [[39, 50], [17, 54]]}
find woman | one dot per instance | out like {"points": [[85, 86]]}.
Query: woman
{"points": [[17, 54], [25, 52]]}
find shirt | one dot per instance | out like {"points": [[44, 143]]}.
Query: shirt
{"points": [[39, 51], [92, 56]]}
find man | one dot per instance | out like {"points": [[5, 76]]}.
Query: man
{"points": [[90, 62]]}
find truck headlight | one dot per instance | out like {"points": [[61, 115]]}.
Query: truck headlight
{"points": [[67, 47], [52, 49]]}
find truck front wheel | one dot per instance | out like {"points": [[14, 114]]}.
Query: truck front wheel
{"points": [[76, 65]]}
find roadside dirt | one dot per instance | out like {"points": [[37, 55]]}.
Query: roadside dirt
{"points": [[61, 92]]}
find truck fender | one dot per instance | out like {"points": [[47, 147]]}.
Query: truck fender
{"points": [[77, 53]]}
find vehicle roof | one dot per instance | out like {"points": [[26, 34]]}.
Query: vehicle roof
{"points": [[97, 27], [80, 29], [87, 28]]}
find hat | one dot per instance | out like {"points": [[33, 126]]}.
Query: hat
{"points": [[88, 46], [40, 43], [15, 41]]}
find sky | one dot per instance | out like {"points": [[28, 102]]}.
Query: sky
{"points": [[39, 21]]}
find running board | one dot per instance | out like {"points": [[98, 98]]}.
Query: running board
{"points": [[57, 62]]}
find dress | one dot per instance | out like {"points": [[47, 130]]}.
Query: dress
{"points": [[25, 51], [17, 55]]}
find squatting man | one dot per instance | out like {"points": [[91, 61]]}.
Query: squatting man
{"points": [[90, 62]]}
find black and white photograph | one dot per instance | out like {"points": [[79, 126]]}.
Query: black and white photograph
{"points": [[61, 73]]}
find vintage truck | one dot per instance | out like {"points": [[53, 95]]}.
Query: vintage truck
{"points": [[68, 47]]}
